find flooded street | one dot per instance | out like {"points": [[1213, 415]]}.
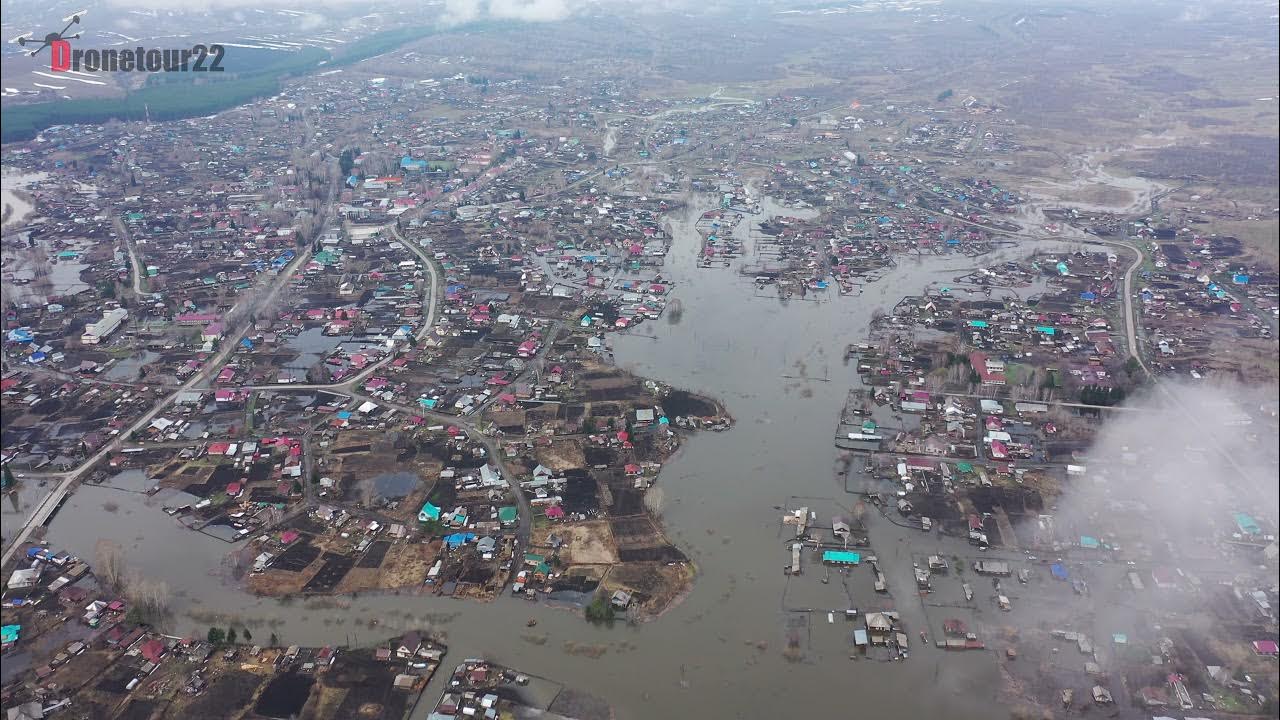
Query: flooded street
{"points": [[778, 368]]}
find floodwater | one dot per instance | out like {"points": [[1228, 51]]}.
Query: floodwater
{"points": [[64, 275], [17, 505], [392, 486], [14, 180], [720, 653], [312, 345], [1136, 192], [127, 368]]}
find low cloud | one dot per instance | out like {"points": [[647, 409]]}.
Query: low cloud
{"points": [[455, 12], [464, 11], [210, 5], [1175, 468]]}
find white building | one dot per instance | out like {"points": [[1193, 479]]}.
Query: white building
{"points": [[111, 320]]}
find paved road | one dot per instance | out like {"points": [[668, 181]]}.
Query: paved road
{"points": [[240, 316], [46, 507], [1130, 316], [431, 302], [434, 292], [139, 270], [1258, 490]]}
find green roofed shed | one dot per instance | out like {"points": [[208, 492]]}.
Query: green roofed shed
{"points": [[841, 557], [1247, 524]]}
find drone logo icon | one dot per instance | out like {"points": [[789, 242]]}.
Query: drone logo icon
{"points": [[59, 48]]}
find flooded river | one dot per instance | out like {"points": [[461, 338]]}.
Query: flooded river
{"points": [[720, 652]]}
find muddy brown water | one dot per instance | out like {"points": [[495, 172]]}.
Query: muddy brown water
{"points": [[719, 653]]}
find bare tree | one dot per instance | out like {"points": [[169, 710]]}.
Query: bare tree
{"points": [[149, 597], [935, 381], [109, 565], [958, 376], [653, 500]]}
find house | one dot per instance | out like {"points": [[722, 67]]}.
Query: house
{"points": [[489, 476], [193, 318], [508, 515], [1164, 578], [644, 416], [26, 711], [992, 567], [114, 635], [840, 527], [1153, 697], [24, 581], [225, 398], [153, 650], [404, 681], [879, 627], [94, 332], [1266, 647], [621, 599], [409, 645], [988, 370]]}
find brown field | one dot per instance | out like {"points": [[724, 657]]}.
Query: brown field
{"points": [[562, 455], [1261, 236], [280, 582], [405, 565], [588, 543]]}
